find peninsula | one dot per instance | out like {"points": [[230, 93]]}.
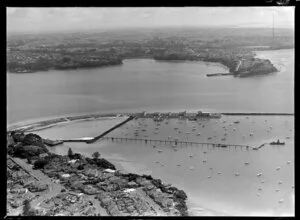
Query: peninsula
{"points": [[32, 53]]}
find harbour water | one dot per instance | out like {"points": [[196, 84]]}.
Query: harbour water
{"points": [[145, 84], [218, 181]]}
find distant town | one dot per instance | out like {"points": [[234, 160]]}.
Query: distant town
{"points": [[32, 53]]}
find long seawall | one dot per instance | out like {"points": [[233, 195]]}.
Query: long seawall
{"points": [[110, 130], [258, 113]]}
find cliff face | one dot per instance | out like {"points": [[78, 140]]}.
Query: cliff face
{"points": [[255, 66]]}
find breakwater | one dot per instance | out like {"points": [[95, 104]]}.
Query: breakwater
{"points": [[259, 113], [110, 130]]}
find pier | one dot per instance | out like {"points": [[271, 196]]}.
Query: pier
{"points": [[176, 143]]}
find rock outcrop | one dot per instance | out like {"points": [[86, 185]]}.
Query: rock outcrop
{"points": [[255, 66]]}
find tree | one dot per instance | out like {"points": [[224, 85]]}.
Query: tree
{"points": [[39, 164], [27, 210], [96, 155], [70, 153]]}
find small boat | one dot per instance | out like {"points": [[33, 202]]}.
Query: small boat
{"points": [[219, 173], [259, 189], [154, 146], [262, 181], [277, 190], [259, 174], [278, 168], [159, 151], [198, 134], [251, 134], [204, 161], [191, 168], [178, 165], [209, 138], [223, 139], [208, 177], [190, 155], [236, 122], [280, 201], [236, 174], [157, 161], [288, 162], [277, 143], [204, 152], [246, 163], [287, 137], [280, 182]]}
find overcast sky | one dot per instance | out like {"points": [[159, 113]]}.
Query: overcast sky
{"points": [[58, 19]]}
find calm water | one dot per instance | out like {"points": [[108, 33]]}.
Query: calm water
{"points": [[222, 194], [149, 85], [145, 84]]}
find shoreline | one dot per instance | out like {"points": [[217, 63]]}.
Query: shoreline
{"points": [[36, 124]]}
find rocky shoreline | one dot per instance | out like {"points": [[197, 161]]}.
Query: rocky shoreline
{"points": [[78, 185]]}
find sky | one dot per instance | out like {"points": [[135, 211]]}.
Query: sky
{"points": [[79, 18]]}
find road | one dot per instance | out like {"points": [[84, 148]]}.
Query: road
{"points": [[54, 188], [238, 66]]}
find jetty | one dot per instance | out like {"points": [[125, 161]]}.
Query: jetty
{"points": [[175, 142], [219, 74]]}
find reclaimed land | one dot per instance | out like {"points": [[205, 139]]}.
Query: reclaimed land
{"points": [[81, 186]]}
